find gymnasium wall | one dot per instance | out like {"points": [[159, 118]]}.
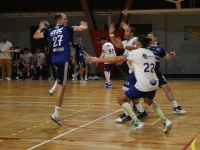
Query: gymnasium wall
{"points": [[169, 29]]}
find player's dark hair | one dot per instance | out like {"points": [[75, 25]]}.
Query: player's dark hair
{"points": [[78, 36], [58, 16], [152, 33], [132, 30], [102, 37], [144, 40], [26, 49]]}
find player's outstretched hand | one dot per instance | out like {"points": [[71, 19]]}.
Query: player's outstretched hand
{"points": [[111, 28], [84, 24], [124, 25], [91, 59], [172, 54], [41, 25], [17, 50]]}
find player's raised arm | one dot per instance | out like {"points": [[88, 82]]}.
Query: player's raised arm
{"points": [[11, 51], [107, 60], [170, 55], [82, 27], [38, 34]]}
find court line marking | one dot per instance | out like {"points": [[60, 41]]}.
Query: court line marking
{"points": [[193, 144], [156, 121], [47, 141], [189, 143]]}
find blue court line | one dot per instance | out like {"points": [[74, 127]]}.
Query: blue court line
{"points": [[14, 104]]}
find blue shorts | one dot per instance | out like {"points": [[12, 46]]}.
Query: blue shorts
{"points": [[81, 64], [130, 81], [134, 93], [107, 67], [62, 72], [49, 60], [161, 78]]}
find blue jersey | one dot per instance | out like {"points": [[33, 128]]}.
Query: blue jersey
{"points": [[158, 52], [79, 52], [60, 41]]}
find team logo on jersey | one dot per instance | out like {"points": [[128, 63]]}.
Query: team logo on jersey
{"points": [[56, 32], [126, 54], [153, 82], [145, 56]]}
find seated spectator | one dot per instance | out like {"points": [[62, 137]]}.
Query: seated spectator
{"points": [[38, 64]]}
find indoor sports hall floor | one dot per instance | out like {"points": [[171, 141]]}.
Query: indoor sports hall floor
{"points": [[89, 114]]}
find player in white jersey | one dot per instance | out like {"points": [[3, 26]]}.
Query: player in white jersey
{"points": [[27, 58], [143, 61], [38, 64], [129, 42], [108, 50]]}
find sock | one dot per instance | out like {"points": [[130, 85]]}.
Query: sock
{"points": [[81, 78], [107, 76], [175, 103], [51, 75], [139, 107], [158, 111], [54, 86], [21, 74], [57, 111], [40, 71], [28, 74], [127, 107], [85, 76]]}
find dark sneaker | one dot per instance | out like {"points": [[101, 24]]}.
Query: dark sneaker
{"points": [[123, 118], [178, 111], [142, 115]]}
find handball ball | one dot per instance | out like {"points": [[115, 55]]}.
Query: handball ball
{"points": [[46, 24]]}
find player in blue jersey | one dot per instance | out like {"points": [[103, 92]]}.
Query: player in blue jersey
{"points": [[143, 62], [159, 52], [59, 36], [79, 52]]}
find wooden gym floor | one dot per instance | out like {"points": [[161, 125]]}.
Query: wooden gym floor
{"points": [[89, 114]]}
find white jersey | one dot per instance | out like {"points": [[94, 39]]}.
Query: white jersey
{"points": [[131, 42], [108, 50], [143, 61], [27, 57], [40, 57], [5, 46]]}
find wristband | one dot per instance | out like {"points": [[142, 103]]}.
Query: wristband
{"points": [[111, 35]]}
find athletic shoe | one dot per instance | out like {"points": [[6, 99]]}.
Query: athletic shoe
{"points": [[107, 85], [178, 111], [17, 77], [74, 76], [27, 78], [72, 79], [51, 92], [21, 78], [136, 125], [123, 118], [86, 79], [83, 82], [8, 78], [51, 78], [3, 79], [167, 125], [32, 77], [142, 114], [56, 119], [40, 77]]}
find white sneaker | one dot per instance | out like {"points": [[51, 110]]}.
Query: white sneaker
{"points": [[51, 78], [86, 79], [17, 77], [83, 81], [179, 111], [72, 79], [51, 92], [167, 125], [74, 76], [56, 119], [8, 78]]}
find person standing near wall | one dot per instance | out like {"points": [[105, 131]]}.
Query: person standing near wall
{"points": [[5, 58]]}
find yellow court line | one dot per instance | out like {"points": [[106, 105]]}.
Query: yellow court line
{"points": [[20, 131], [193, 144], [1, 140], [155, 121]]}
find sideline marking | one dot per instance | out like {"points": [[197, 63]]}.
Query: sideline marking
{"points": [[47, 141]]}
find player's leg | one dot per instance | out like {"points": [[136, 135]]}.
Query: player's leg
{"points": [[3, 68], [149, 100], [107, 69], [52, 90], [164, 85], [74, 76], [62, 71], [9, 69], [20, 67], [28, 69], [40, 72], [82, 70], [86, 72]]}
